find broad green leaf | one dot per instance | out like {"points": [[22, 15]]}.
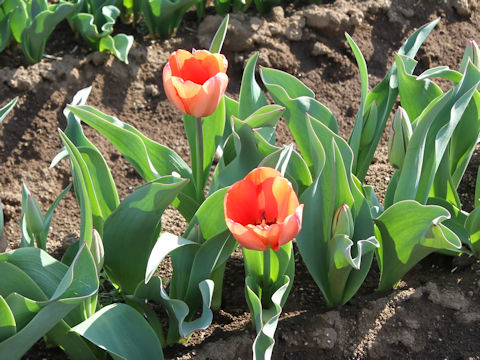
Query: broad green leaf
{"points": [[7, 108], [8, 327], [443, 72], [431, 137], [89, 209], [180, 325], [119, 45], [408, 231], [15, 280], [34, 37], [149, 158], [19, 17], [415, 95], [132, 229], [165, 244], [162, 17], [217, 41], [477, 190], [14, 347], [472, 225], [251, 96], [123, 332], [43, 269], [299, 102], [265, 320], [210, 255]]}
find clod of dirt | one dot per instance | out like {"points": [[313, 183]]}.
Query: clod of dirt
{"points": [[295, 24], [464, 7], [24, 80], [323, 18], [152, 91], [320, 49], [450, 299]]}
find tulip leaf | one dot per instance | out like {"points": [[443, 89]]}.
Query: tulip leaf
{"points": [[66, 289], [217, 41], [119, 45], [8, 326], [299, 101], [84, 189], [165, 244], [132, 229], [123, 332], [265, 319], [149, 158], [408, 231], [17, 345], [443, 72], [477, 190], [208, 222], [431, 137], [179, 323], [472, 225], [415, 94], [384, 96], [7, 108], [251, 95], [334, 186]]}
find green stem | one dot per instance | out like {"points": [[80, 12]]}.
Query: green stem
{"points": [[199, 161], [266, 277]]}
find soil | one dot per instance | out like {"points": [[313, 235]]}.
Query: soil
{"points": [[435, 311]]}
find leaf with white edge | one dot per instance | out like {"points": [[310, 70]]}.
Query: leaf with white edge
{"points": [[265, 320], [132, 229], [443, 72], [408, 231], [123, 332], [165, 244], [8, 327], [179, 324], [219, 37], [7, 108], [251, 95], [472, 225], [119, 45]]}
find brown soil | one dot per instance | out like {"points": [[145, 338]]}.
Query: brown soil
{"points": [[434, 313]]}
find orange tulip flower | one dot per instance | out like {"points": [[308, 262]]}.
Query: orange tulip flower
{"points": [[262, 210], [195, 82]]}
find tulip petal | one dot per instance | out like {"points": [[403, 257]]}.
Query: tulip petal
{"points": [[210, 94], [241, 203], [292, 226], [177, 59], [170, 89], [246, 237], [259, 175]]}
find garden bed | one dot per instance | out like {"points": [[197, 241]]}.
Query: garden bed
{"points": [[435, 311]]}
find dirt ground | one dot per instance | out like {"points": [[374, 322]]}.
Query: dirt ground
{"points": [[434, 313]]}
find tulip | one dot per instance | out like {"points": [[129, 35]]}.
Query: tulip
{"points": [[195, 82], [399, 137], [343, 221], [33, 215], [262, 210]]}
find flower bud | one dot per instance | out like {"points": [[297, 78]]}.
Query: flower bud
{"points": [[33, 215], [400, 134], [472, 52], [369, 125], [96, 248], [343, 221]]}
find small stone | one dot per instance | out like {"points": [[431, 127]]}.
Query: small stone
{"points": [[98, 58], [73, 75], [356, 17], [152, 90], [320, 49], [278, 14]]}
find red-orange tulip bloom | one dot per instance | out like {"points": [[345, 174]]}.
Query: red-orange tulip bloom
{"points": [[195, 82], [262, 210]]}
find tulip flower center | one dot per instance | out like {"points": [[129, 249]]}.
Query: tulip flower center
{"points": [[264, 223]]}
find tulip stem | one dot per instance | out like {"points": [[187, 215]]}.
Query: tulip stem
{"points": [[266, 277], [199, 161]]}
